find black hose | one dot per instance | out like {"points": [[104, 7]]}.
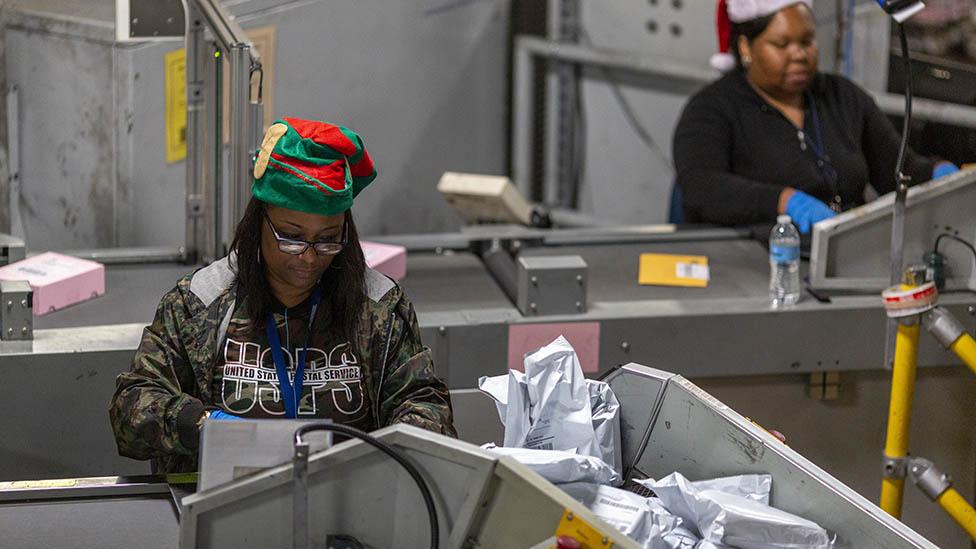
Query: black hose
{"points": [[957, 239], [394, 453]]}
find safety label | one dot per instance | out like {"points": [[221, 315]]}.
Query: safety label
{"points": [[175, 62], [580, 530]]}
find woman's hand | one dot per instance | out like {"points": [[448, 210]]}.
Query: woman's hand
{"points": [[943, 169], [804, 209], [219, 414], [215, 414]]}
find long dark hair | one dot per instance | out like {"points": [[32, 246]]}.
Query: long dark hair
{"points": [[343, 284], [751, 29]]}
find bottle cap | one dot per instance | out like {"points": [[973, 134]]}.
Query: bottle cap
{"points": [[783, 219]]}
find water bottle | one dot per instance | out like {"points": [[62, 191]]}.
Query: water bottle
{"points": [[784, 263]]}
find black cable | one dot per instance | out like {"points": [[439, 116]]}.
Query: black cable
{"points": [[397, 456], [627, 110], [900, 177], [957, 239]]}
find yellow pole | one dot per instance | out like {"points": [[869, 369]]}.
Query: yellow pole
{"points": [[960, 510], [965, 349], [900, 412]]}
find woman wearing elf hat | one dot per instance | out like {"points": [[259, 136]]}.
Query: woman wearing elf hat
{"points": [[776, 136], [291, 324]]}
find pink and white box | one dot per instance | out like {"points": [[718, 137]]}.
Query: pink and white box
{"points": [[57, 280], [386, 258]]}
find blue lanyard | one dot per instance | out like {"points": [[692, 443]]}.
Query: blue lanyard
{"points": [[291, 391], [820, 151]]}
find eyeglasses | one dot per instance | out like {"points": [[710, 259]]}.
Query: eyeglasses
{"points": [[294, 246]]}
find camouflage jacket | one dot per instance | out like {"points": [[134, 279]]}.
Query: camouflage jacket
{"points": [[157, 403]]}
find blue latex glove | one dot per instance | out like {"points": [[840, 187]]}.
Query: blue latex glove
{"points": [[806, 210], [943, 169], [220, 414]]}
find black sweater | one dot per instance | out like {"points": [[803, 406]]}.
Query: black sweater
{"points": [[734, 153]]}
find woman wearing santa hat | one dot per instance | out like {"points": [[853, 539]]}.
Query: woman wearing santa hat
{"points": [[776, 136]]}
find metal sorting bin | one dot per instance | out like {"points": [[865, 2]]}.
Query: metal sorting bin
{"points": [[483, 500], [669, 424]]}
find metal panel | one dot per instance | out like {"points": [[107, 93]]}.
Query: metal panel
{"points": [[155, 18], [60, 378], [11, 249], [147, 522], [16, 310], [152, 193], [476, 417], [67, 135], [550, 285], [445, 63], [643, 394], [851, 250], [351, 475]]}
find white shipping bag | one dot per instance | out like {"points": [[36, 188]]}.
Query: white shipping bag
{"points": [[551, 411], [606, 425], [754, 487], [727, 518], [638, 517], [552, 406], [561, 467]]}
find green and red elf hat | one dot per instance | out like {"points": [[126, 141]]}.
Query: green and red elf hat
{"points": [[310, 166]]}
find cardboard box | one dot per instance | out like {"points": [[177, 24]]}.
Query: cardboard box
{"points": [[57, 280], [387, 259]]}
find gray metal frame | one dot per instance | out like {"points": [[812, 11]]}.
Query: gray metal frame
{"points": [[244, 113], [198, 505], [841, 252], [16, 310], [13, 161], [12, 249]]}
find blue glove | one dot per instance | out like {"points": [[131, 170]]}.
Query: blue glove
{"points": [[220, 414], [806, 210], [943, 169]]}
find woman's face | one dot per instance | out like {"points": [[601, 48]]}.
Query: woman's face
{"points": [[299, 272], [784, 56]]}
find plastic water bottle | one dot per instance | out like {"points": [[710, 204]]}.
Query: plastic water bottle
{"points": [[784, 263]]}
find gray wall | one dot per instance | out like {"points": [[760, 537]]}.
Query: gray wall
{"points": [[424, 81]]}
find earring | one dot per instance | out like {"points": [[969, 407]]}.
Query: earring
{"points": [[259, 254], [747, 60]]}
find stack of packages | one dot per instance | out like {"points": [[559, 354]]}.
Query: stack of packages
{"points": [[567, 428]]}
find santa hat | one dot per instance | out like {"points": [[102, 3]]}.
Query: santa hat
{"points": [[740, 11]]}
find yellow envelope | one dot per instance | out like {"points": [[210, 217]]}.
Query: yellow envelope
{"points": [[673, 270]]}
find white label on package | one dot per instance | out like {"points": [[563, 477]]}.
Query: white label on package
{"points": [[695, 271], [541, 435]]}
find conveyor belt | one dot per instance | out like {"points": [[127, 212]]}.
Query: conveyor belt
{"points": [[450, 283], [434, 284], [131, 295], [739, 269]]}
